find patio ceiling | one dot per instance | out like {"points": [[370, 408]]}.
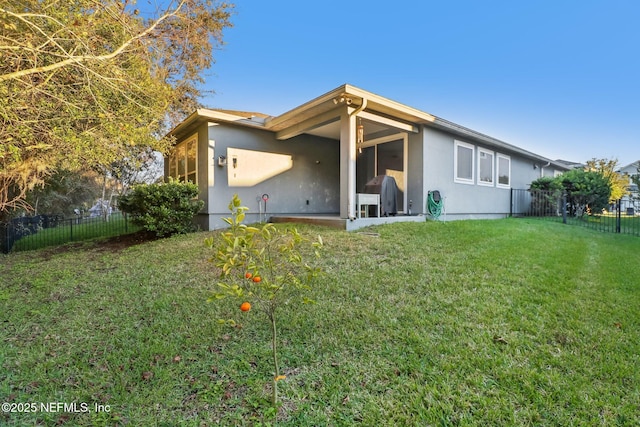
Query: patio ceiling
{"points": [[332, 130]]}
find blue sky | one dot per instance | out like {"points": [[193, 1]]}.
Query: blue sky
{"points": [[559, 78]]}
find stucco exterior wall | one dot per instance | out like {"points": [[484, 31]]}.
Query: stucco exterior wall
{"points": [[470, 201], [311, 185]]}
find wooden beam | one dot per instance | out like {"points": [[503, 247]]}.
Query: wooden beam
{"points": [[309, 124], [407, 127]]}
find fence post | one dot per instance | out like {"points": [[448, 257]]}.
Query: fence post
{"points": [[8, 237], [618, 206], [4, 238], [564, 208], [511, 204]]}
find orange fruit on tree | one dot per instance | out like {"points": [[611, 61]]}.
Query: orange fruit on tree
{"points": [[247, 275], [245, 306], [257, 279]]}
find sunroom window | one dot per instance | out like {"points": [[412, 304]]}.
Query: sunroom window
{"points": [[183, 162]]}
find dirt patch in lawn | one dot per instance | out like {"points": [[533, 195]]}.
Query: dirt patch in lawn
{"points": [[118, 243], [109, 244]]}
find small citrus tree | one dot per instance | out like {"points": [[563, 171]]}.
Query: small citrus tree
{"points": [[265, 267]]}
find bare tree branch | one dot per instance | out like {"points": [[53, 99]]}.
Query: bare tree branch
{"points": [[77, 59]]}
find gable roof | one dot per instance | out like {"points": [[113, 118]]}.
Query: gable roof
{"points": [[633, 166], [323, 113]]}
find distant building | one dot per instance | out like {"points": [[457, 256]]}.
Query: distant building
{"points": [[631, 200]]}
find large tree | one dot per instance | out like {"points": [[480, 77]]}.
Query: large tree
{"points": [[64, 191], [88, 82], [607, 168]]}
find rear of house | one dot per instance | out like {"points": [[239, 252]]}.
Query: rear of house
{"points": [[317, 159]]}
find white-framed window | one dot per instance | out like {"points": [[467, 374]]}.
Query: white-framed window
{"points": [[463, 164], [485, 167], [504, 170], [183, 161]]}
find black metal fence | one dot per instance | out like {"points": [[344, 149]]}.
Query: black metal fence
{"points": [[34, 232], [619, 217]]}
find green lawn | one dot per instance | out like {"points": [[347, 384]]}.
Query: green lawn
{"points": [[472, 323]]}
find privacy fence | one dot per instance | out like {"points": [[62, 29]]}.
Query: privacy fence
{"points": [[619, 217], [34, 232]]}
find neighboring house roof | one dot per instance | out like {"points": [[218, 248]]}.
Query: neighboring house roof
{"points": [[631, 168], [320, 116], [570, 164]]}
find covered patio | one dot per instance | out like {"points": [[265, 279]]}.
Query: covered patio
{"points": [[374, 134]]}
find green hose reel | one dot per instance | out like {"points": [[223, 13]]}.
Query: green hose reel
{"points": [[435, 204]]}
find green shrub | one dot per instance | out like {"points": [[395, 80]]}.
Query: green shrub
{"points": [[165, 208], [546, 183], [585, 191], [586, 188]]}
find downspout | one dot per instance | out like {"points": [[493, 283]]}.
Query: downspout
{"points": [[542, 169], [350, 198], [360, 108]]}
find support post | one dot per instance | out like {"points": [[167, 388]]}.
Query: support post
{"points": [[347, 164]]}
